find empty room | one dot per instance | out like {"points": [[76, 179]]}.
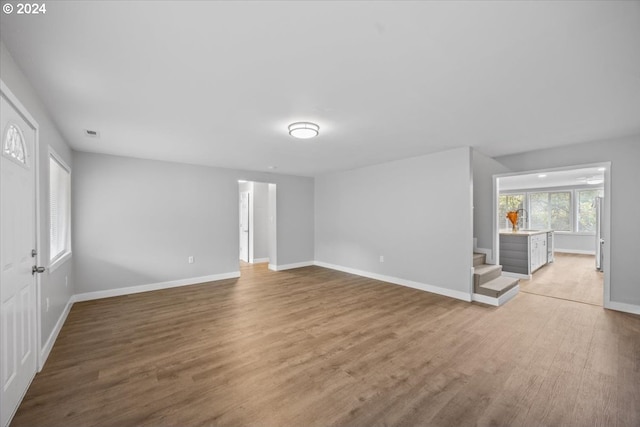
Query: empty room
{"points": [[311, 213]]}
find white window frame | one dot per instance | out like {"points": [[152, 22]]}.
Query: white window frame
{"points": [[62, 257]]}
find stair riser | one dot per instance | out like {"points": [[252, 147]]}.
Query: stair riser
{"points": [[486, 277], [479, 259]]}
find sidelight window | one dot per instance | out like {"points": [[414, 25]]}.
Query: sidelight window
{"points": [[59, 209]]}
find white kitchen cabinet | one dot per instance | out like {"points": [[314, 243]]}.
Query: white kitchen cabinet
{"points": [[537, 251]]}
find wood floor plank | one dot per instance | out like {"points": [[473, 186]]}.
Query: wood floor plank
{"points": [[317, 347], [571, 276]]}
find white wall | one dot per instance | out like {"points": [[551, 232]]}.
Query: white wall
{"points": [[575, 243], [415, 212], [483, 219], [137, 221], [624, 155], [53, 284]]}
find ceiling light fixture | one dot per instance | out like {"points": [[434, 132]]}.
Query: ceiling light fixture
{"points": [[304, 130], [542, 175]]}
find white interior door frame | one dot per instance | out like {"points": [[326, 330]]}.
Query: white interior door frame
{"points": [[15, 102], [245, 226], [606, 224]]}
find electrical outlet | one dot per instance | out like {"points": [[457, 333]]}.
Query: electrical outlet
{"points": [[381, 258], [47, 300], [191, 259]]}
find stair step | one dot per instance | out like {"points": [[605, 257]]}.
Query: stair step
{"points": [[497, 287], [479, 259], [485, 273]]}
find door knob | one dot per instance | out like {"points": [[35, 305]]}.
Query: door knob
{"points": [[36, 269]]}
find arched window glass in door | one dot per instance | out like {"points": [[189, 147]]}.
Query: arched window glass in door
{"points": [[13, 145]]}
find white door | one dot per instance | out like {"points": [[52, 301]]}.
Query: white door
{"points": [[244, 226], [18, 283]]}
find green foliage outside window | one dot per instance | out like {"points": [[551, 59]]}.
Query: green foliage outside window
{"points": [[587, 210], [506, 203], [550, 210], [553, 210]]}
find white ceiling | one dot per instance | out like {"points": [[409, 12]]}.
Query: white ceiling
{"points": [[550, 179], [217, 83]]}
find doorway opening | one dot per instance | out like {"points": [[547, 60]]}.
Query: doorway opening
{"points": [[257, 223], [558, 246]]}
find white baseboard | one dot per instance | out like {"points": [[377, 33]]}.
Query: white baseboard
{"points": [[397, 281], [154, 286], [497, 301], [623, 306], [48, 346], [259, 260], [573, 251], [275, 267]]}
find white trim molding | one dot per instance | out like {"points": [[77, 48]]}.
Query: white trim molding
{"points": [[88, 296], [398, 281], [48, 346], [259, 260], [274, 267], [573, 251], [623, 306]]}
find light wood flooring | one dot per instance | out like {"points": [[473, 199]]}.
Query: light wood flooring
{"points": [[571, 277], [316, 347]]}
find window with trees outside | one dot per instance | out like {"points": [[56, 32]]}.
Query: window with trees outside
{"points": [[550, 211], [586, 219], [571, 210], [506, 203]]}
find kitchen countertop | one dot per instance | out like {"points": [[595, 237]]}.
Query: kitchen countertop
{"points": [[523, 232]]}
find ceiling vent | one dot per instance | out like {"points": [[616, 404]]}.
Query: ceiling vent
{"points": [[92, 133]]}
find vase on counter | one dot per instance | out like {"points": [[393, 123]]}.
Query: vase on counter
{"points": [[513, 218]]}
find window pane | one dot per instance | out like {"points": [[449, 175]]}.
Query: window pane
{"points": [[506, 203], [560, 213], [550, 210], [59, 209], [539, 210], [587, 210]]}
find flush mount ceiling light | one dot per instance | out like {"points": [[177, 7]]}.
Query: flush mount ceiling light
{"points": [[304, 130]]}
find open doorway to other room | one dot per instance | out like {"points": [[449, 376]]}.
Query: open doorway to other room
{"points": [[257, 224], [556, 246]]}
